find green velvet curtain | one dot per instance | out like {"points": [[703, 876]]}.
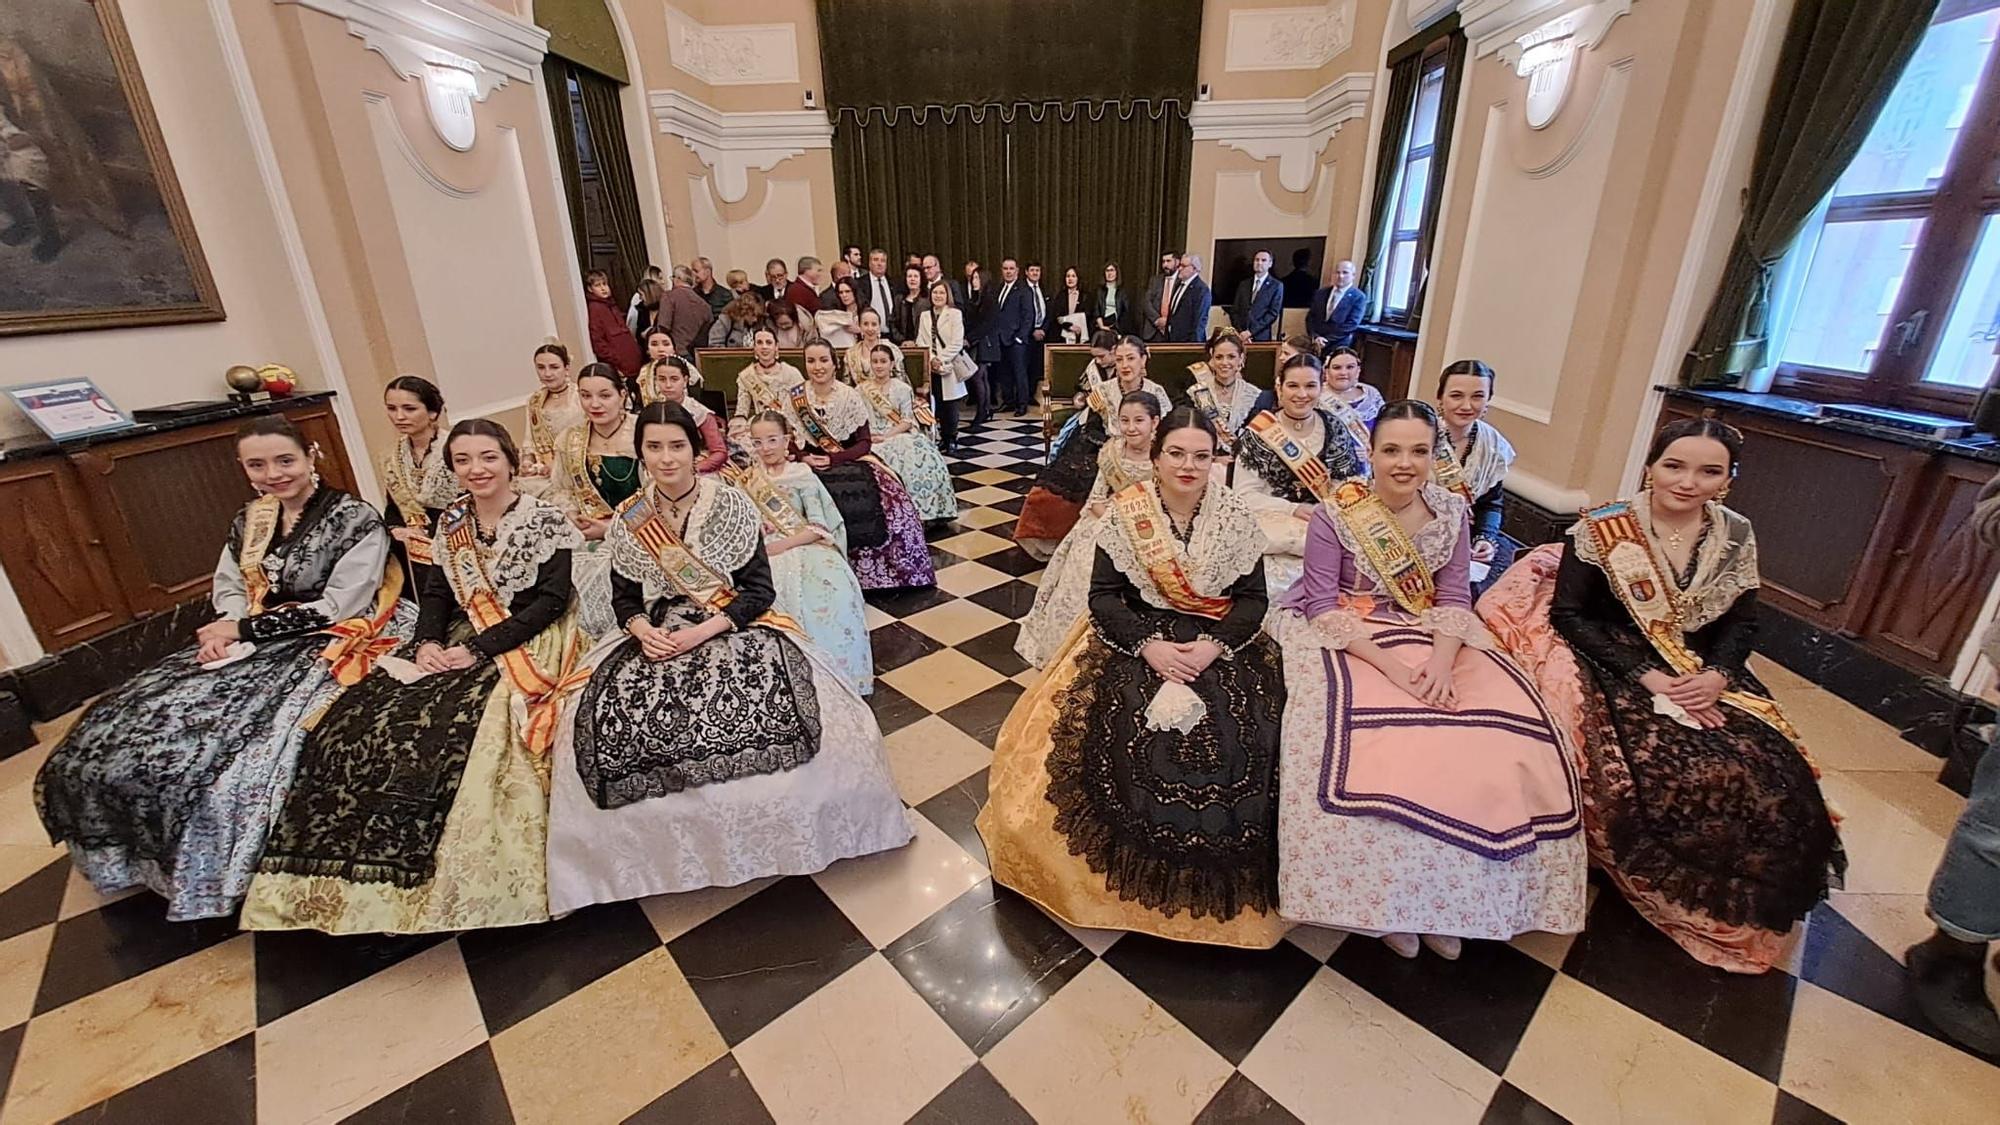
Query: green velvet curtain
{"points": [[582, 32], [596, 169], [1397, 110], [555, 83], [1066, 185], [1836, 70]]}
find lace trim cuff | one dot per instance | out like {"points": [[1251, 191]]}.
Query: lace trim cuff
{"points": [[1138, 646], [1451, 621], [1339, 628]]}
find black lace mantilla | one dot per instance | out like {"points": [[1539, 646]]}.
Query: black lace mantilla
{"points": [[1336, 452], [1175, 822], [1074, 469], [739, 705]]}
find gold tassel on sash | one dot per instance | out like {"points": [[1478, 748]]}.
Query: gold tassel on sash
{"points": [[1147, 527], [1388, 546]]}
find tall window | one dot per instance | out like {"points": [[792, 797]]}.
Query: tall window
{"points": [[1900, 298], [1415, 143], [1413, 186]]}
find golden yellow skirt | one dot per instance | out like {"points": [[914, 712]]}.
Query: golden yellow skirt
{"points": [[1028, 856]]}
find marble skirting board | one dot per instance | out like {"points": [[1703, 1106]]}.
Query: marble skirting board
{"points": [[57, 684]]}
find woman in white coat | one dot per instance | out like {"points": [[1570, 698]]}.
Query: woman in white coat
{"points": [[941, 328]]}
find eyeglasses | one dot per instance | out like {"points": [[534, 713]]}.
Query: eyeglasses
{"points": [[1187, 457]]}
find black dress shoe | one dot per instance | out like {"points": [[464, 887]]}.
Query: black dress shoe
{"points": [[1947, 981]]}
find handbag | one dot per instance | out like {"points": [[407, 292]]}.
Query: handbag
{"points": [[958, 372]]}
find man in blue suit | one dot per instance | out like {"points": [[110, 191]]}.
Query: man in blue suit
{"points": [[1336, 310], [1187, 312], [1260, 301], [1014, 328]]}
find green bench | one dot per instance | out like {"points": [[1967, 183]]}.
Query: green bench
{"points": [[1166, 364], [720, 367]]}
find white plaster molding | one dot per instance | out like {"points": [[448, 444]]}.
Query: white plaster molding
{"points": [[1292, 130], [737, 54], [732, 144], [1542, 493], [325, 352], [1288, 38], [1423, 13], [1546, 52]]}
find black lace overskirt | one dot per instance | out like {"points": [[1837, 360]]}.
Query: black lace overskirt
{"points": [[859, 501]]}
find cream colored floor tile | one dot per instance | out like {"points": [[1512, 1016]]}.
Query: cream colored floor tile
{"points": [[930, 755], [79, 897], [674, 915], [1035, 579], [1859, 1066], [603, 1052], [864, 1049], [974, 544], [1100, 1050], [968, 578], [114, 1039], [1894, 922], [22, 959], [1916, 795], [874, 618], [991, 476], [885, 894], [942, 679], [1097, 941], [1386, 1067], [1888, 850], [1026, 677], [984, 494], [18, 861], [1318, 941], [955, 621], [19, 823], [1590, 1058], [337, 1055], [1841, 735], [984, 517], [1549, 949]]}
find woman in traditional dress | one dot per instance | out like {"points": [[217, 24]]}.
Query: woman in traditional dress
{"points": [[856, 364], [421, 799], [1287, 461], [1056, 500], [595, 471], [1700, 800], [645, 389], [1134, 786], [1345, 388], [885, 535], [673, 377], [552, 408], [806, 541], [898, 434], [766, 382], [1425, 792], [1474, 463], [1219, 389], [713, 744], [1064, 593], [415, 474], [170, 781]]}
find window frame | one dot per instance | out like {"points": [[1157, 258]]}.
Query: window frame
{"points": [[1434, 61], [1952, 214]]}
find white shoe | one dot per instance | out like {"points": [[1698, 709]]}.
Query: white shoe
{"points": [[1404, 945], [1444, 946]]}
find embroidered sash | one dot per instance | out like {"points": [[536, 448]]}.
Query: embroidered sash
{"points": [[1093, 389], [1151, 534], [1310, 471], [573, 447], [1389, 548], [812, 422], [1111, 466], [358, 642], [539, 436], [694, 579], [1449, 471], [879, 399], [260, 526], [406, 490], [763, 395], [779, 517], [1202, 394], [1356, 427], [1628, 561], [459, 552]]}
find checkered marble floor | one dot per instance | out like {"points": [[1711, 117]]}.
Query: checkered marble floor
{"points": [[907, 987]]}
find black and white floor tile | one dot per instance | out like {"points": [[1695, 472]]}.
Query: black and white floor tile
{"points": [[907, 987]]}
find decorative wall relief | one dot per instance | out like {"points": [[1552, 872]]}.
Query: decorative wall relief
{"points": [[732, 144], [94, 231], [750, 54], [1288, 38], [1294, 131], [1546, 54]]}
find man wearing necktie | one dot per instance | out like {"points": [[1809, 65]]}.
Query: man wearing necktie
{"points": [[881, 296], [1012, 312], [1038, 316], [1336, 310], [1187, 308], [1260, 301]]}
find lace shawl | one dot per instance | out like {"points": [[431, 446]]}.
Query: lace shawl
{"points": [[1435, 541], [843, 408], [723, 530], [1226, 545], [1334, 449], [1489, 459], [531, 531], [1237, 403], [1725, 563], [436, 486]]}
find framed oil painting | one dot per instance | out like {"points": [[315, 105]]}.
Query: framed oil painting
{"points": [[94, 232]]}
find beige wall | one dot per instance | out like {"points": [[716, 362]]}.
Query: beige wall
{"points": [[181, 58]]}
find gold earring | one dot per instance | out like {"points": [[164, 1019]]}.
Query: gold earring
{"points": [[1647, 483], [1723, 495]]}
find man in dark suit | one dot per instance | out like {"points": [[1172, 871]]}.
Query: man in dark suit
{"points": [[1187, 310], [1014, 330], [1336, 310], [1300, 283], [934, 273], [1153, 311], [1044, 330], [777, 279], [1260, 301]]}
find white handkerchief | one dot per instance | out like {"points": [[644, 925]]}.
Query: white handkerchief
{"points": [[1175, 707], [401, 670], [237, 651], [1479, 572], [1664, 706]]}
